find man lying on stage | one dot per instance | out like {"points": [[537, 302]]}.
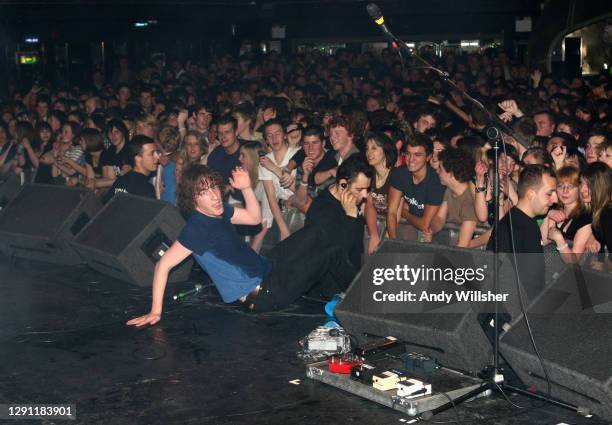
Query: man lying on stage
{"points": [[263, 284]]}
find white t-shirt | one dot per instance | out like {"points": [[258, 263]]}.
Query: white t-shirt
{"points": [[265, 174]]}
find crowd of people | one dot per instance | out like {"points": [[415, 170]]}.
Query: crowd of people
{"points": [[291, 121]]}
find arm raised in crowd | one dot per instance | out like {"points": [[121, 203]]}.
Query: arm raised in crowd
{"points": [[251, 214]]}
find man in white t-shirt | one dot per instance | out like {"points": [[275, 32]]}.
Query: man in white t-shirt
{"points": [[272, 168]]}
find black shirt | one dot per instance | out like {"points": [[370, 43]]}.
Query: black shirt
{"points": [[133, 183], [224, 163], [603, 233], [527, 240], [339, 228], [527, 236], [576, 224], [112, 158], [428, 192]]}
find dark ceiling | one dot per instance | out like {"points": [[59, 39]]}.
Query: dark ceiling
{"points": [[328, 18]]}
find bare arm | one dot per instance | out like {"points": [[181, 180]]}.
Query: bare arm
{"points": [[276, 212], [466, 233], [175, 254], [81, 169], [371, 221], [323, 176], [251, 214], [394, 198], [439, 220], [422, 223]]}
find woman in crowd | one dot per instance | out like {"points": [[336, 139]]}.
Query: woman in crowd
{"points": [[570, 223], [245, 116], [250, 153], [169, 140], [91, 143], [115, 160], [484, 197], [193, 151], [69, 153], [381, 155], [596, 189], [8, 151]]}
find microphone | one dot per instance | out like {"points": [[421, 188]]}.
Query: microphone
{"points": [[376, 15], [197, 288]]}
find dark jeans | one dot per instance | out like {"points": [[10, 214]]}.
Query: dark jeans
{"points": [[298, 263]]}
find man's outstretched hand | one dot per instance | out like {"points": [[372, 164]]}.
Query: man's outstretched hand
{"points": [[240, 179], [147, 319]]}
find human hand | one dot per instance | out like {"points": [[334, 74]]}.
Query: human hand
{"points": [[348, 202], [373, 244], [554, 234], [148, 319], [481, 170], [284, 234], [427, 235], [510, 106], [593, 246], [558, 155], [182, 116], [505, 116], [558, 216], [307, 166], [287, 180], [240, 179]]}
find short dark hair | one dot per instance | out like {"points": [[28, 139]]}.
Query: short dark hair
{"points": [[271, 122], [540, 154], [351, 167], [135, 145], [227, 119], [247, 110], [195, 179], [314, 130], [342, 121], [459, 162], [551, 115], [420, 140], [119, 125], [531, 178], [387, 146]]}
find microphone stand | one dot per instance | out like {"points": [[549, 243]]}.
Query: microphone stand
{"points": [[493, 375]]}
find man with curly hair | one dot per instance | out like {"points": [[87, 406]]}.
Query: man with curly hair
{"points": [[241, 275], [456, 171]]}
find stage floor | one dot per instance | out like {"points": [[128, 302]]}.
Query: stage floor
{"points": [[63, 340]]}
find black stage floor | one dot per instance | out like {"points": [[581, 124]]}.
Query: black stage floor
{"points": [[63, 340]]}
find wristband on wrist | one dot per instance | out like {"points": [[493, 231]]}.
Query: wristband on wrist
{"points": [[562, 247]]}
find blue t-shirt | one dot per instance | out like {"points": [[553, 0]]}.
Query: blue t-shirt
{"points": [[169, 183], [232, 265], [428, 192], [223, 163]]}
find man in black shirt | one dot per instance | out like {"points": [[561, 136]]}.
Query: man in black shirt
{"points": [[145, 158], [537, 193], [339, 209]]}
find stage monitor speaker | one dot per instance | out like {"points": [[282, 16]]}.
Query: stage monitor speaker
{"points": [[456, 340], [9, 189], [39, 223], [128, 236], [571, 323]]}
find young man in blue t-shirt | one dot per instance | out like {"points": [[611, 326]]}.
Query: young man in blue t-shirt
{"points": [[291, 269]]}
